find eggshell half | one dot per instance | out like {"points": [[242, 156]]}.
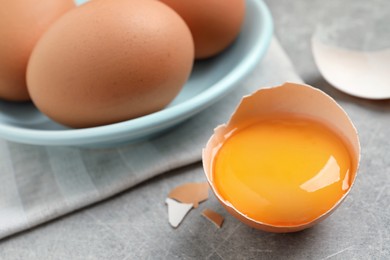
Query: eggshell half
{"points": [[362, 74], [288, 98]]}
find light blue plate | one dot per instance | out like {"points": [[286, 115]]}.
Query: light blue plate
{"points": [[210, 81]]}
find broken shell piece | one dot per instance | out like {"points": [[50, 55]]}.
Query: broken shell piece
{"points": [[193, 193], [265, 104], [177, 211], [214, 217]]}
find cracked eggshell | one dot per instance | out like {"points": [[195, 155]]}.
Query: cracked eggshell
{"points": [[288, 98]]}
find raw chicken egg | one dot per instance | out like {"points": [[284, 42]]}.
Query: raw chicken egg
{"points": [[110, 61], [22, 22], [285, 160], [214, 24]]}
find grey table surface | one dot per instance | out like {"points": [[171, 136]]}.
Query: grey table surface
{"points": [[359, 229]]}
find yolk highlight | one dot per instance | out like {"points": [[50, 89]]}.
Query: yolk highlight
{"points": [[284, 171]]}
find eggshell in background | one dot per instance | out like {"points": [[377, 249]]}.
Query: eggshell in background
{"points": [[288, 98], [214, 24], [352, 54], [362, 74], [22, 22], [110, 61]]}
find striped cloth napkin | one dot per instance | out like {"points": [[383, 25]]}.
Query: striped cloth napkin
{"points": [[39, 183]]}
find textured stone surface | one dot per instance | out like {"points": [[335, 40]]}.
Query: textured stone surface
{"points": [[133, 225]]}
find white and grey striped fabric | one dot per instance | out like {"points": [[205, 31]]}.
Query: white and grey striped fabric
{"points": [[39, 183]]}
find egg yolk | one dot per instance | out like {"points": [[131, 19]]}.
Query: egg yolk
{"points": [[284, 171]]}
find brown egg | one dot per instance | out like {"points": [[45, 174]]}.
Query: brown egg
{"points": [[214, 24], [22, 22], [110, 61]]}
